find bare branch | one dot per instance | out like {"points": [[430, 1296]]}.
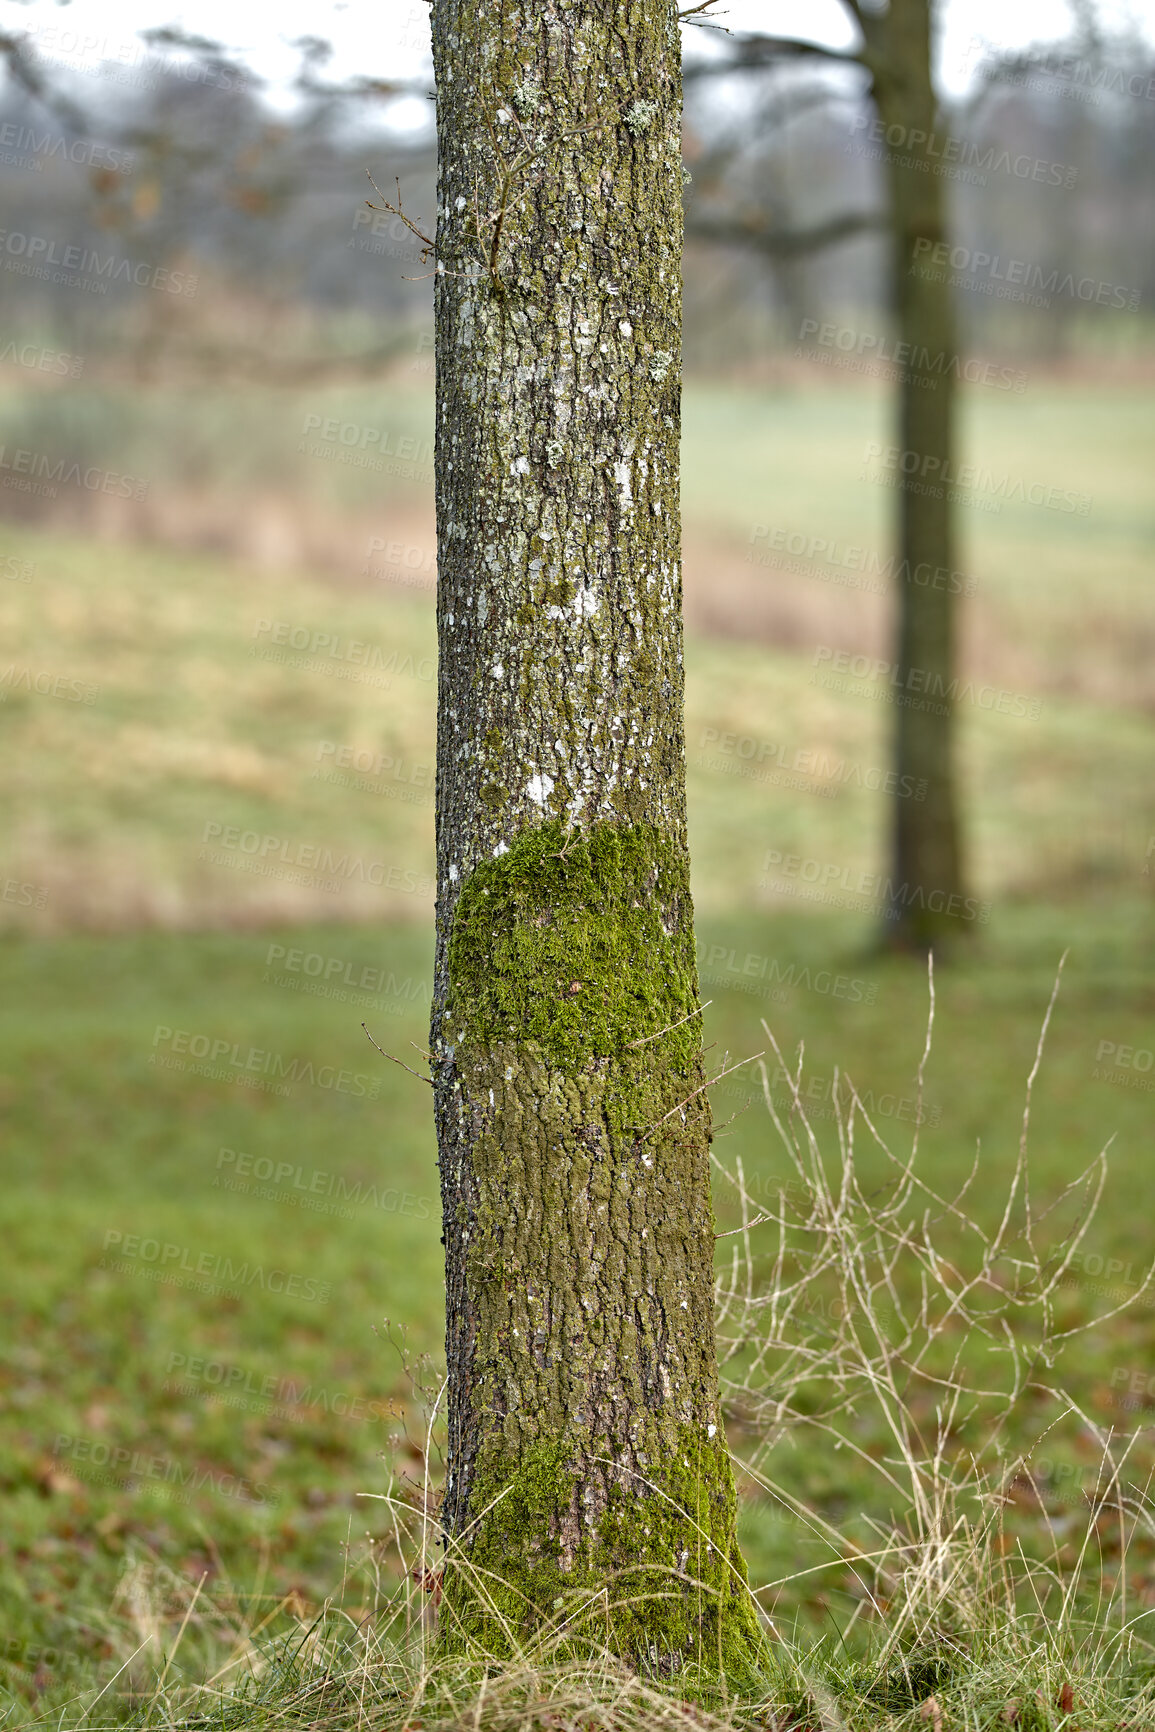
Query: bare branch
{"points": [[429, 246], [784, 243], [401, 1062], [756, 53]]}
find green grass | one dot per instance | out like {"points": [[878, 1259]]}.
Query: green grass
{"points": [[101, 1141], [120, 807], [125, 930]]}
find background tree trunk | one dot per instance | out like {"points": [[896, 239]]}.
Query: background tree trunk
{"points": [[589, 1483], [927, 899]]}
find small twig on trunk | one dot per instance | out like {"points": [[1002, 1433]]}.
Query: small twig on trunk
{"points": [[745, 1228], [430, 246], [708, 1084], [646, 1039], [692, 15], [401, 1062]]}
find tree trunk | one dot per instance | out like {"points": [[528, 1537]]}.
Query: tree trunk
{"points": [[927, 900], [589, 1488]]}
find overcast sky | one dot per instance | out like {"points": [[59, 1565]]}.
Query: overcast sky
{"points": [[390, 37]]}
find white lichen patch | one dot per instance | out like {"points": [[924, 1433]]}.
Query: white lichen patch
{"points": [[640, 116], [527, 98], [539, 789]]}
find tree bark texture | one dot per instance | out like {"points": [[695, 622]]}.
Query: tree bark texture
{"points": [[928, 900], [589, 1489]]}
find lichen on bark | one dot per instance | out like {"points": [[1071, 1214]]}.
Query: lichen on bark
{"points": [[587, 1465], [589, 1469]]}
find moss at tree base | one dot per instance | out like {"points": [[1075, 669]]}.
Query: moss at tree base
{"points": [[591, 1500], [650, 1585]]}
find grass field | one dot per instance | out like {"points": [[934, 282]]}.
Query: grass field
{"points": [[249, 1420], [216, 1191]]}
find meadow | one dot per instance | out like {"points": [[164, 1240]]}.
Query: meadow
{"points": [[222, 1202]]}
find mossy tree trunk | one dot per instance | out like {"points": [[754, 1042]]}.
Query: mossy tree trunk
{"points": [[589, 1488], [928, 901]]}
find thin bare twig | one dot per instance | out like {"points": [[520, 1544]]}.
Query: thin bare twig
{"points": [[645, 1041], [708, 1084], [430, 246], [401, 1062], [691, 16]]}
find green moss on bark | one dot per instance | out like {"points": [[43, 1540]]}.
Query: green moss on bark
{"points": [[660, 1582], [573, 1127], [580, 943], [595, 1490]]}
